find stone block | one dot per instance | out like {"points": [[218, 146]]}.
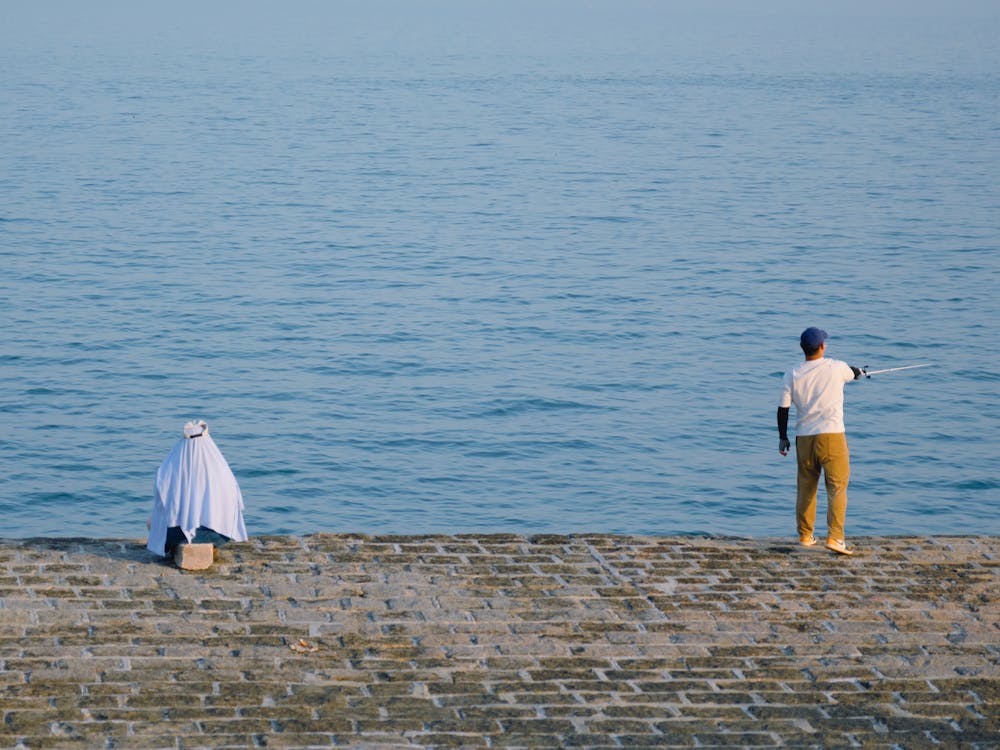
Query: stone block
{"points": [[194, 556]]}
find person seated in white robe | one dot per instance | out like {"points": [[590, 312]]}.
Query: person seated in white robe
{"points": [[197, 498]]}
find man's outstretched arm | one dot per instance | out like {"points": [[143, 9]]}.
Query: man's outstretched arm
{"points": [[783, 443]]}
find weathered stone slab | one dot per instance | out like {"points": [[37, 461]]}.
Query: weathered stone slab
{"points": [[501, 641]]}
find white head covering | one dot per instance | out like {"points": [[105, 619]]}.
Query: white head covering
{"points": [[195, 487]]}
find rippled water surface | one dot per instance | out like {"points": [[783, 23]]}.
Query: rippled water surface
{"points": [[461, 267]]}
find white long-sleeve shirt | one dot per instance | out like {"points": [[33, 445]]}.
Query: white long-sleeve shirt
{"points": [[816, 387]]}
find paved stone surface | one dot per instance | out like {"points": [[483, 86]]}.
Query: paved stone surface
{"points": [[501, 641]]}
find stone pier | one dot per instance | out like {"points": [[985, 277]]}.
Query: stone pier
{"points": [[504, 641]]}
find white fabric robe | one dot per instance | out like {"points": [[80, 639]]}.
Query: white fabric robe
{"points": [[195, 487]]}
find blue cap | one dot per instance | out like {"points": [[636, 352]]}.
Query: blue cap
{"points": [[811, 338]]}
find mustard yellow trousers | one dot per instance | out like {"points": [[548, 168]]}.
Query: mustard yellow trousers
{"points": [[827, 454]]}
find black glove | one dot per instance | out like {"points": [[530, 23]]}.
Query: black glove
{"points": [[783, 446], [858, 374]]}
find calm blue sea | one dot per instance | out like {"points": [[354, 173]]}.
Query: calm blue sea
{"points": [[482, 267]]}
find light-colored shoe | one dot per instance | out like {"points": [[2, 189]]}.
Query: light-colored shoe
{"points": [[808, 541], [838, 545]]}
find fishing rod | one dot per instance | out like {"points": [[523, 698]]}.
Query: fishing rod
{"points": [[868, 373]]}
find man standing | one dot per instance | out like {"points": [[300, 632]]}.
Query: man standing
{"points": [[816, 387]]}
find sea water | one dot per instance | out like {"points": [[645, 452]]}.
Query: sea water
{"points": [[496, 267]]}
